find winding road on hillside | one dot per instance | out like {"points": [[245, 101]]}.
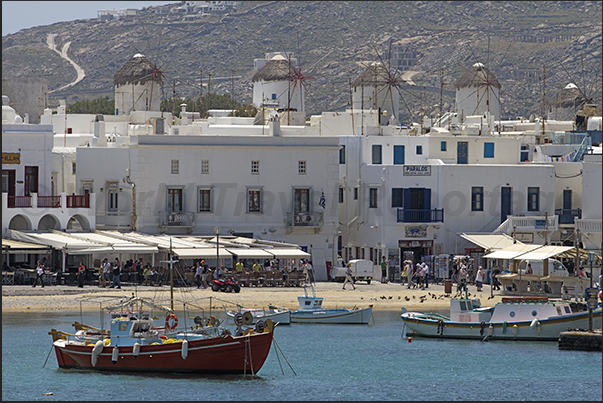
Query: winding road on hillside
{"points": [[63, 54]]}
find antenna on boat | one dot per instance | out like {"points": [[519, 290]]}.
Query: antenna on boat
{"points": [[171, 262]]}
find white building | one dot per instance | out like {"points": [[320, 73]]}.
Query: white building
{"points": [[478, 92], [275, 83]]}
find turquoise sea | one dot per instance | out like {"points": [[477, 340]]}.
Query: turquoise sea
{"points": [[320, 362]]}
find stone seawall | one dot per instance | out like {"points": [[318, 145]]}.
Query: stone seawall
{"points": [[581, 340]]}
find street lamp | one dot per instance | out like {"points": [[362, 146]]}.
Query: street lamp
{"points": [[217, 231]]}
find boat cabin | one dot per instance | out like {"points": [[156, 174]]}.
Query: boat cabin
{"points": [[128, 330], [308, 303], [527, 309], [468, 310]]}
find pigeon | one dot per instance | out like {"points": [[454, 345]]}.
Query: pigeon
{"points": [[421, 300], [399, 297], [390, 297], [406, 298], [413, 296]]}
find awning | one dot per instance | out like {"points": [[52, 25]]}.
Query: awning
{"points": [[491, 241], [282, 253], [187, 253], [118, 245], [544, 252], [250, 253], [511, 252], [12, 246], [583, 253]]}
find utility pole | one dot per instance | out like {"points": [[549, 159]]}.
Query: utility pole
{"points": [[201, 94]]}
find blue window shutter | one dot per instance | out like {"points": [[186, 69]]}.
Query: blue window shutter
{"points": [[407, 198], [488, 150], [427, 199], [398, 155]]}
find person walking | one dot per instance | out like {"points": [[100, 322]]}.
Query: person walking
{"points": [[199, 275], [383, 270], [81, 274], [422, 275], [106, 273], [310, 272], [116, 274], [339, 261], [205, 275], [404, 275], [348, 276], [479, 278], [495, 282], [39, 274]]}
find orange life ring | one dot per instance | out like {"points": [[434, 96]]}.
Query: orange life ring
{"points": [[163, 337], [174, 322]]}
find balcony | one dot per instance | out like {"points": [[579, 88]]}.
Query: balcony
{"points": [[568, 216], [113, 220], [36, 201], [49, 201], [19, 202], [176, 219], [308, 219], [420, 215]]}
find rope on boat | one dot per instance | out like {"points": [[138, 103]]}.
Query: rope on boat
{"points": [[279, 347], [278, 358], [51, 346]]}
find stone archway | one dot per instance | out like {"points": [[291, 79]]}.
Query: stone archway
{"points": [[20, 223], [78, 223], [49, 222]]}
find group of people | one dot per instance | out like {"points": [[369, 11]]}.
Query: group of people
{"points": [[415, 275]]}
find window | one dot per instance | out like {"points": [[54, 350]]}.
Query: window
{"points": [[112, 196], [273, 96], [87, 187], [73, 166], [442, 146], [533, 199], [340, 195], [254, 200], [397, 197], [204, 166], [488, 150], [301, 200], [342, 155], [398, 155], [477, 198], [255, 167], [204, 201], [174, 199], [373, 197], [301, 167], [355, 193], [419, 150], [175, 167], [376, 153]]}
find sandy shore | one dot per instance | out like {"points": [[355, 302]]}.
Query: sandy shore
{"points": [[390, 296]]}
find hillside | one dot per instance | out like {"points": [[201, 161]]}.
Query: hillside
{"points": [[333, 40]]}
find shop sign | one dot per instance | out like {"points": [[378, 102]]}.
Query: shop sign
{"points": [[417, 170], [11, 158]]}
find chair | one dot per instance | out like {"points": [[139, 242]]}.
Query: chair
{"points": [[8, 278]]}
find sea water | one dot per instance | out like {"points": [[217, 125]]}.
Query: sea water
{"points": [[317, 362]]}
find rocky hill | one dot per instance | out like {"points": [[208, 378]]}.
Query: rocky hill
{"points": [[524, 43]]}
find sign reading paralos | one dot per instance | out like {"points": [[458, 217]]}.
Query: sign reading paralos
{"points": [[417, 170], [11, 158]]}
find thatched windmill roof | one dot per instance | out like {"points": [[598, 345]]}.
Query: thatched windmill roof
{"points": [[277, 69], [569, 97], [477, 76], [137, 70], [374, 75]]}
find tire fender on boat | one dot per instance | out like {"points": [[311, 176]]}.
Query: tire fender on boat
{"points": [[136, 349], [115, 355], [184, 349], [98, 347]]}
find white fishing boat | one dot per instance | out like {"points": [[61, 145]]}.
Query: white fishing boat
{"points": [[515, 318], [311, 311], [250, 316]]}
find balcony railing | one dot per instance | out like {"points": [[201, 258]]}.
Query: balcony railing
{"points": [[308, 219], [19, 201], [420, 215], [176, 219], [567, 216], [78, 201], [49, 201], [113, 220]]}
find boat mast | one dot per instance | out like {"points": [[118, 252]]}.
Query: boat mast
{"points": [[171, 262]]}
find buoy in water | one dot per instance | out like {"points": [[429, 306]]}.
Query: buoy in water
{"points": [[409, 339], [48, 393]]}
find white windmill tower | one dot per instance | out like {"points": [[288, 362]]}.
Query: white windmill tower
{"points": [[377, 89], [478, 92], [137, 86], [276, 84]]}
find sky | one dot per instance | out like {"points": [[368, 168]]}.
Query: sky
{"points": [[18, 15]]}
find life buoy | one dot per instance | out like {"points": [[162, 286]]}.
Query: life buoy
{"points": [[171, 321]]}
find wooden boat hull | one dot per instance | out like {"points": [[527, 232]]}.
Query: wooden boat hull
{"points": [[216, 355], [543, 329], [333, 316]]}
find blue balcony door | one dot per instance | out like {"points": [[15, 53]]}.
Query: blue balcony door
{"points": [[417, 199], [462, 152], [567, 199], [505, 203]]}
